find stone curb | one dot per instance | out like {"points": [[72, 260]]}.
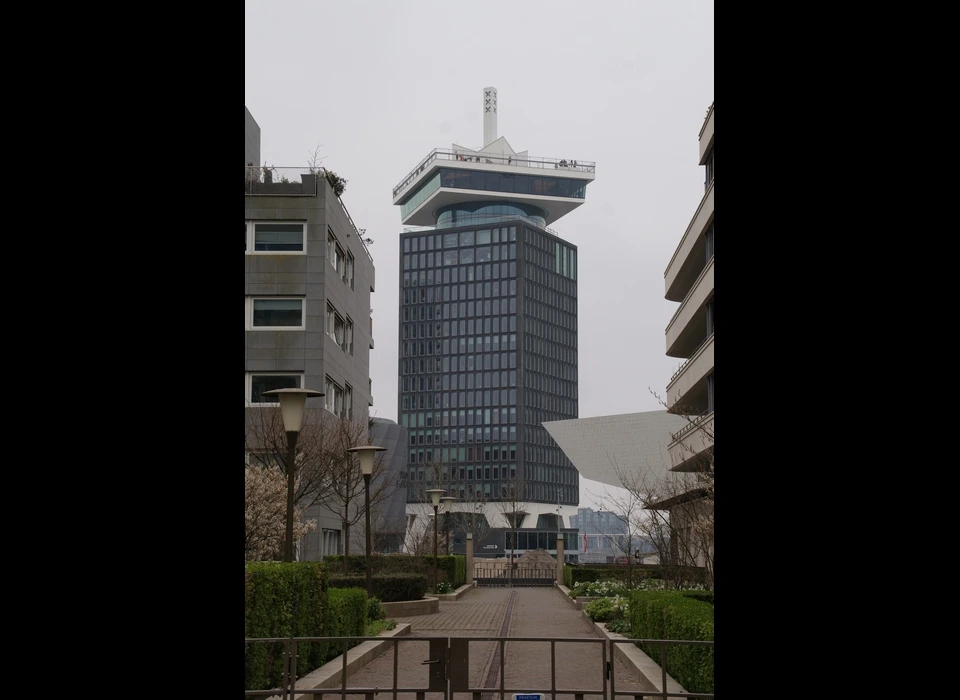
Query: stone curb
{"points": [[457, 594], [630, 655], [330, 674], [410, 608]]}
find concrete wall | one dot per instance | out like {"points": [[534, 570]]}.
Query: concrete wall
{"points": [[311, 351], [251, 139], [388, 518]]}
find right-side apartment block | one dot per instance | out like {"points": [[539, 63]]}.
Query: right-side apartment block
{"points": [[689, 334]]}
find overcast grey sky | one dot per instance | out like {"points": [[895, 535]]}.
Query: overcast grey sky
{"points": [[625, 83]]}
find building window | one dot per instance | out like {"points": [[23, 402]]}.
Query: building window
{"points": [[348, 402], [709, 169], [348, 270], [340, 329], [275, 237], [334, 398], [347, 344], [256, 384], [275, 313], [335, 253]]}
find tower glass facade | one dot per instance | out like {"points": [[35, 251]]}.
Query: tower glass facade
{"points": [[488, 351]]}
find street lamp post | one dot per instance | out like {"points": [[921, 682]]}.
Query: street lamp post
{"points": [[366, 455], [435, 497], [447, 501], [292, 402]]}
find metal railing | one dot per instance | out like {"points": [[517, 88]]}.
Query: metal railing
{"points": [[585, 166], [448, 669], [269, 181], [686, 362], [480, 219], [266, 181], [520, 577], [694, 423]]}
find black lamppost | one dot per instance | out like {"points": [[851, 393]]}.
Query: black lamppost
{"points": [[292, 402], [447, 501], [435, 497], [366, 454]]}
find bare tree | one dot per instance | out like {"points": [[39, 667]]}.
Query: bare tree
{"points": [[627, 506], [677, 515], [329, 476], [314, 159], [513, 505]]}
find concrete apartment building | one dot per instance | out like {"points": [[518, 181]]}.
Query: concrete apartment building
{"points": [[488, 329], [689, 334], [689, 280], [308, 277]]}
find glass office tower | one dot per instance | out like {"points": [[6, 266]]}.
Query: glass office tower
{"points": [[488, 326]]}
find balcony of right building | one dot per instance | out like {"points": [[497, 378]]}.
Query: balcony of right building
{"points": [[689, 280]]}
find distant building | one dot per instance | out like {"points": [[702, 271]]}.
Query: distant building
{"points": [[602, 535]]}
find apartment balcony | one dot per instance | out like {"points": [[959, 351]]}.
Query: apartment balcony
{"points": [[688, 327], [518, 162], [690, 379], [706, 136], [688, 259], [692, 444]]}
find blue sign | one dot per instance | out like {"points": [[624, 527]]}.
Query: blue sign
{"points": [[528, 696]]}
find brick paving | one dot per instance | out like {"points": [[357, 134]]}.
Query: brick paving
{"points": [[536, 612]]}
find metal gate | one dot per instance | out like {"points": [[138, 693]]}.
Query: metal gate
{"points": [[449, 670], [521, 577]]}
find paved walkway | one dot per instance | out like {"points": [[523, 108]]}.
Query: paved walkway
{"points": [[495, 612]]}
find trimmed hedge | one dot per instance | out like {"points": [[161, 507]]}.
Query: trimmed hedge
{"points": [[573, 575], [387, 587], [346, 617], [281, 600], [676, 615], [453, 568]]}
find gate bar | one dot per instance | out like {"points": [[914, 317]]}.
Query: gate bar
{"points": [[553, 669]]}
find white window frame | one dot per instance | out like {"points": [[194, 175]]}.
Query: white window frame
{"points": [[249, 313], [251, 238], [333, 396], [335, 252], [348, 402], [248, 386], [349, 270], [347, 345], [333, 317]]}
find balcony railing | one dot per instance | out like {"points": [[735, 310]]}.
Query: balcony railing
{"points": [[586, 166], [480, 219], [268, 181], [687, 361], [265, 181], [692, 425]]}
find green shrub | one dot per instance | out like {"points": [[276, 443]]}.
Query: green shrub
{"points": [[387, 587], [605, 588], [606, 609], [705, 596], [282, 600], [575, 575], [346, 617], [621, 626], [676, 615], [375, 610]]}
